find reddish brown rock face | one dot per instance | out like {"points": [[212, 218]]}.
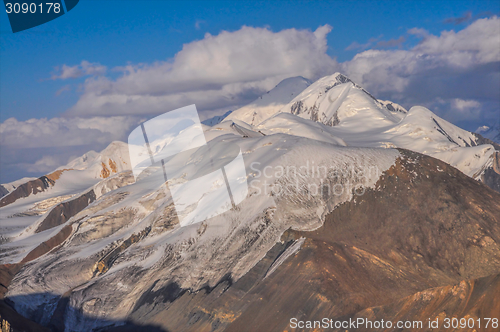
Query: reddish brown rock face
{"points": [[496, 162], [32, 187], [108, 171], [56, 175], [424, 243], [29, 188], [62, 212]]}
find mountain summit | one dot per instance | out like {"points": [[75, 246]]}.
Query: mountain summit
{"points": [[271, 102], [335, 99]]}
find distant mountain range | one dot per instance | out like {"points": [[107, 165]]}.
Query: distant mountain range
{"points": [[492, 133], [87, 247], [359, 119]]}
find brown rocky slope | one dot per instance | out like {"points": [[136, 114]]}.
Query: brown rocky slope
{"points": [[426, 228], [424, 244]]}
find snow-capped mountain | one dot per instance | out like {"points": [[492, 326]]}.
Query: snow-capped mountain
{"points": [[335, 99], [79, 173], [491, 133], [359, 119], [271, 102], [140, 222], [113, 159], [215, 119], [344, 212]]}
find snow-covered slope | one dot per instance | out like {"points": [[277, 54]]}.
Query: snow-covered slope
{"points": [[423, 131], [128, 240], [293, 125], [215, 119], [65, 182], [359, 119], [393, 107], [271, 102]]}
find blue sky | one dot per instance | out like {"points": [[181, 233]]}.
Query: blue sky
{"points": [[114, 33], [110, 35]]}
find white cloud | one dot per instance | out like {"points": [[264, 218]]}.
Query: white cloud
{"points": [[85, 68], [447, 65], [476, 44], [198, 24], [230, 68], [37, 146], [419, 32], [482, 129], [44, 165], [63, 89], [463, 105], [63, 132], [461, 109]]}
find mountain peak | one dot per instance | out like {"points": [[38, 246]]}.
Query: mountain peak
{"points": [[116, 151], [271, 102], [334, 98], [340, 77]]}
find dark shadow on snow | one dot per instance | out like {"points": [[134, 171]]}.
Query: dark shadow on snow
{"points": [[32, 322]]}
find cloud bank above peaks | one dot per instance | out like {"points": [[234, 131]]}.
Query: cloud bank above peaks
{"points": [[234, 67], [437, 71], [229, 69], [59, 132], [393, 70], [37, 146]]}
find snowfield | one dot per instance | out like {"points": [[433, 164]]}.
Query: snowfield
{"points": [[306, 149], [356, 118], [196, 255]]}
